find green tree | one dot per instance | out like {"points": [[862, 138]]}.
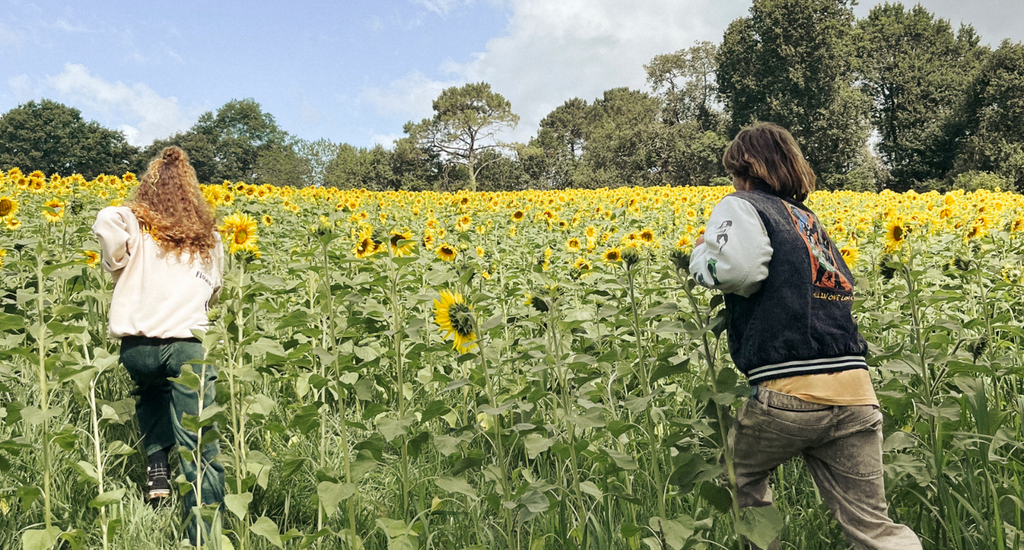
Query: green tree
{"points": [[465, 124], [991, 121], [282, 165], [625, 142], [226, 145], [916, 72], [790, 62], [554, 155], [685, 80], [53, 138]]}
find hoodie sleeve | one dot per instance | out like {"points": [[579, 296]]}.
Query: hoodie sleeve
{"points": [[115, 228], [736, 250]]}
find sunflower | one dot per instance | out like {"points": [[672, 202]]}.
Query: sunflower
{"points": [[1017, 224], [573, 244], [13, 223], [364, 248], [582, 264], [850, 254], [895, 234], [447, 252], [463, 223], [518, 216], [396, 238], [3, 254], [241, 230], [53, 210], [455, 318], [612, 255], [647, 235], [91, 258], [8, 207]]}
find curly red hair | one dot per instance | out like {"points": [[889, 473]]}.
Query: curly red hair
{"points": [[170, 203]]}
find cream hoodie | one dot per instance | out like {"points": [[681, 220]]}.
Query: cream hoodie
{"points": [[156, 294]]}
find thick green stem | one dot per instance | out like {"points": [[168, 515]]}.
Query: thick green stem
{"points": [[44, 390], [645, 375]]}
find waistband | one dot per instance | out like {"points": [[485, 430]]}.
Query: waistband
{"points": [[149, 340], [786, 402]]}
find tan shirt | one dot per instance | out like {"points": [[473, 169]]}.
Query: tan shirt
{"points": [[849, 387], [156, 294]]}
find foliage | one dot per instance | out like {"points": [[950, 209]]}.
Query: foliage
{"points": [[465, 124], [53, 138], [975, 181], [686, 81], [916, 72], [993, 117], [588, 408], [226, 145], [789, 62]]}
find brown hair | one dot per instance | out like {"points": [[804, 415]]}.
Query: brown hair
{"points": [[765, 156], [169, 202]]}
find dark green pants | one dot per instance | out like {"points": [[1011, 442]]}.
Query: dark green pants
{"points": [[161, 404]]}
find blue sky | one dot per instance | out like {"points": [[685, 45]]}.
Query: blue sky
{"points": [[355, 71]]}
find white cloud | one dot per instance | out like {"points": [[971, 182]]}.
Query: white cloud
{"points": [[22, 88], [411, 96], [150, 114], [554, 51], [11, 38], [386, 140], [441, 7]]}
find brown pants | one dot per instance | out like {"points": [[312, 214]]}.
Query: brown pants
{"points": [[842, 447]]}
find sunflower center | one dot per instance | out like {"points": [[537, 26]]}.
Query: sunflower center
{"points": [[241, 236], [5, 207], [460, 316], [897, 233]]}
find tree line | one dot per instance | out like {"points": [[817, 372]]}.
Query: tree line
{"points": [[898, 100]]}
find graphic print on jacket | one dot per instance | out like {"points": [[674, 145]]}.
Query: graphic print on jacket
{"points": [[824, 273]]}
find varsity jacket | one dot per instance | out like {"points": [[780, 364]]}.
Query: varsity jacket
{"points": [[788, 291]]}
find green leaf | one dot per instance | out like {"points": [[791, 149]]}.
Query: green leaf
{"points": [[591, 489], [264, 346], [392, 429], [363, 463], [119, 448], [266, 528], [621, 460], [536, 444], [87, 471], [661, 310], [331, 494], [760, 525], [673, 532], [456, 485], [717, 496], [39, 539], [9, 321], [238, 504], [107, 498]]}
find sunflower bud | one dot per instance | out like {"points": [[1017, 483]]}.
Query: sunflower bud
{"points": [[75, 206], [886, 270], [961, 263], [380, 236], [680, 260], [538, 303], [979, 347], [630, 255]]}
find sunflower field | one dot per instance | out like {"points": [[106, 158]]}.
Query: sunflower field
{"points": [[530, 370]]}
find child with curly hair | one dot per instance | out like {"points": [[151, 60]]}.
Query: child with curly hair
{"points": [[166, 259]]}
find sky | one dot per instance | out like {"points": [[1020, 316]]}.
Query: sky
{"points": [[355, 71]]}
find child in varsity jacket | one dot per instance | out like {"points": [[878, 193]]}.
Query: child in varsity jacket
{"points": [[791, 332]]}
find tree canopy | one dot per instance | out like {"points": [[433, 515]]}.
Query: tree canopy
{"points": [[53, 138]]}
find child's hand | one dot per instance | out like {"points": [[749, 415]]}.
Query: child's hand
{"points": [[700, 240]]}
